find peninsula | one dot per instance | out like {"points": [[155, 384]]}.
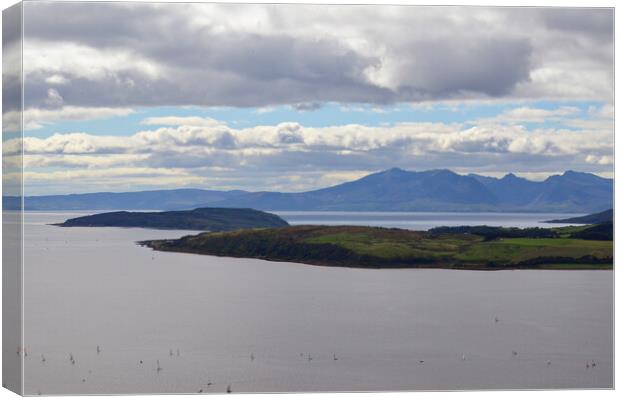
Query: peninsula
{"points": [[599, 217], [205, 219], [483, 248]]}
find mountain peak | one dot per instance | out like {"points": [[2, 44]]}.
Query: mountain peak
{"points": [[442, 171], [573, 173], [394, 170], [578, 176], [510, 176]]}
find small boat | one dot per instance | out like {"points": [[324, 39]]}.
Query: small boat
{"points": [[228, 389], [159, 368]]}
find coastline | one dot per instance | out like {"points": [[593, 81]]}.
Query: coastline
{"points": [[382, 248], [483, 268]]}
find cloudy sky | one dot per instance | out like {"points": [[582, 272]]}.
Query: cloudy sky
{"points": [[132, 96]]}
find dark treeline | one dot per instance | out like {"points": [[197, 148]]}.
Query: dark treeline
{"points": [[492, 232], [604, 231]]}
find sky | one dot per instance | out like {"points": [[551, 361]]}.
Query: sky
{"points": [[136, 96]]}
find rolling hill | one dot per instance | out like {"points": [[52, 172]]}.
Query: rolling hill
{"points": [[211, 219]]}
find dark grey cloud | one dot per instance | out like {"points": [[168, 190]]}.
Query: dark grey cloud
{"points": [[11, 93], [98, 23], [11, 25], [594, 22], [286, 56], [307, 107], [490, 66], [11, 62]]}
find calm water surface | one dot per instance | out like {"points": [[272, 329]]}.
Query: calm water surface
{"points": [[94, 286], [423, 220]]}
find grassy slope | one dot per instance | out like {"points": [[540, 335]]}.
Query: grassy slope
{"points": [[380, 247], [522, 249]]}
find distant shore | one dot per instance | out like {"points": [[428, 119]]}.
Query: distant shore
{"points": [[202, 219]]}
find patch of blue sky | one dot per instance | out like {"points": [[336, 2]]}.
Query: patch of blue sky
{"points": [[7, 135], [329, 114]]}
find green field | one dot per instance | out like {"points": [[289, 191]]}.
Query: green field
{"points": [[521, 249], [373, 247]]}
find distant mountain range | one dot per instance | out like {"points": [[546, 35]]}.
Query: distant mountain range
{"points": [[391, 190], [175, 199]]}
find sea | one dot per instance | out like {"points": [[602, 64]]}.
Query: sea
{"points": [[103, 315]]}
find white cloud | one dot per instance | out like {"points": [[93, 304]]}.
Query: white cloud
{"points": [[123, 172], [53, 58], [291, 156], [531, 115], [73, 144], [105, 179], [54, 99], [82, 161], [176, 121], [56, 79], [12, 121], [602, 160], [605, 112], [432, 137], [266, 109], [35, 118]]}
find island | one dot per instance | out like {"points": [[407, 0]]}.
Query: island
{"points": [[475, 248], [205, 219]]}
